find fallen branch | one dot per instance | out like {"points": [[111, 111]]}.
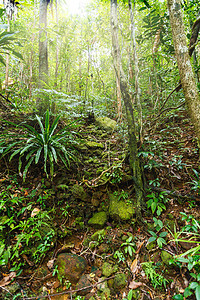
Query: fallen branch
{"points": [[174, 193], [71, 291]]}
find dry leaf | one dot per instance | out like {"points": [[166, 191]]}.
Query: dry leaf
{"points": [[134, 266], [6, 280], [134, 285], [35, 212], [30, 263], [139, 247], [50, 264]]}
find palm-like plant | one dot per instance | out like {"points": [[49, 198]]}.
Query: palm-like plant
{"points": [[35, 146]]}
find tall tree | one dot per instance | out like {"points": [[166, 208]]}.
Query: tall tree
{"points": [[134, 159], [43, 53], [184, 65]]}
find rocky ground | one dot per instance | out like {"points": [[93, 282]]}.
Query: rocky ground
{"points": [[96, 248]]}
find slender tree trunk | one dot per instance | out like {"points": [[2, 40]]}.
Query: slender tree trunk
{"points": [[43, 105], [137, 84], [57, 49], [7, 57], [184, 65], [134, 160]]}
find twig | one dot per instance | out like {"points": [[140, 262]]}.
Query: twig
{"points": [[166, 109], [3, 288], [72, 291]]}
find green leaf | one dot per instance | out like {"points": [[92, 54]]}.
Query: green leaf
{"points": [[153, 233], [163, 234], [153, 207], [27, 167], [40, 123], [37, 156], [151, 239], [193, 285], [178, 297], [197, 292]]}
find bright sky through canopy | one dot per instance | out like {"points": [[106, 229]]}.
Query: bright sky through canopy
{"points": [[77, 6]]}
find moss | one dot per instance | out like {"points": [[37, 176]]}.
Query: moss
{"points": [[106, 123], [166, 257], [120, 281], [95, 145], [98, 220], [107, 269], [120, 210]]}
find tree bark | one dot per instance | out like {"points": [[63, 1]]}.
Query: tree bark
{"points": [[134, 159], [43, 105], [184, 65], [137, 84]]}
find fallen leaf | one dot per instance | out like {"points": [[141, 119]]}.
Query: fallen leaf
{"points": [[25, 193], [6, 280], [134, 266], [30, 263], [139, 247], [134, 285], [35, 212], [50, 264]]}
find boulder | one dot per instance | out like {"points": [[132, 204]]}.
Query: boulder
{"points": [[106, 123], [70, 267], [79, 193], [166, 257], [120, 281], [120, 210], [98, 220]]}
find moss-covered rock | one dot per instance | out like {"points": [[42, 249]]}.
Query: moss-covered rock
{"points": [[119, 209], [107, 269], [70, 267], [151, 245], [120, 281], [78, 192], [106, 123], [106, 294], [166, 257], [98, 220]]}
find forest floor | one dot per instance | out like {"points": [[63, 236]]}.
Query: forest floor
{"points": [[28, 267]]}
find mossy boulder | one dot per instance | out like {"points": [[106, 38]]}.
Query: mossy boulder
{"points": [[107, 269], [120, 210], [79, 193], [166, 257], [70, 267], [120, 281], [106, 123], [98, 220]]}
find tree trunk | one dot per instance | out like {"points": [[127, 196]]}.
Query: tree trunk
{"points": [[42, 105], [137, 84], [184, 65], [7, 57], [134, 160]]}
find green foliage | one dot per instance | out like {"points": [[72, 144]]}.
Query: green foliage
{"points": [[36, 146], [119, 255], [121, 195], [6, 44], [156, 202], [129, 246], [196, 182], [151, 273], [25, 233], [129, 296], [158, 238], [191, 258]]}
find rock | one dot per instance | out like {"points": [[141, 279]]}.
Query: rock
{"points": [[106, 123], [166, 257], [120, 281], [104, 248], [107, 269], [83, 283], [151, 245], [70, 267], [98, 220], [119, 209], [79, 193], [94, 145]]}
